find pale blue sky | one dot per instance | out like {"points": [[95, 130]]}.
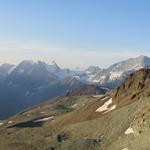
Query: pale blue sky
{"points": [[74, 32]]}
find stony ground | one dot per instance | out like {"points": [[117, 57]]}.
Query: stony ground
{"points": [[68, 128]]}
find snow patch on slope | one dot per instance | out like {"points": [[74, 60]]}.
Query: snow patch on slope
{"points": [[104, 98], [73, 105], [44, 119], [105, 106], [125, 149], [111, 108], [9, 122], [97, 96], [129, 131], [1, 123]]}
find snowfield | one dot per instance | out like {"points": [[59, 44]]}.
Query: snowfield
{"points": [[44, 119], [115, 75], [97, 80], [104, 98], [110, 109], [9, 122], [129, 131], [97, 96], [73, 105], [1, 123], [125, 149], [105, 107]]}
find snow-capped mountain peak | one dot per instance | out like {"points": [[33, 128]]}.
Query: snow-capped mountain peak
{"points": [[54, 63], [110, 77], [53, 67], [115, 74]]}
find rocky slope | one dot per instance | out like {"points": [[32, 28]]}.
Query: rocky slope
{"points": [[118, 120]]}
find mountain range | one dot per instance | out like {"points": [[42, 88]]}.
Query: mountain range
{"points": [[117, 120], [114, 75], [30, 83]]}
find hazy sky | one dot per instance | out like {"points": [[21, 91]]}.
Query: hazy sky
{"points": [[74, 32]]}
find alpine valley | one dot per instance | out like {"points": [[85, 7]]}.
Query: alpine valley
{"points": [[86, 117], [30, 83]]}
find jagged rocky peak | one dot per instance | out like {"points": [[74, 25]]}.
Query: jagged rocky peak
{"points": [[131, 64], [114, 75], [31, 63], [54, 62], [144, 60], [28, 65], [53, 67], [23, 66]]}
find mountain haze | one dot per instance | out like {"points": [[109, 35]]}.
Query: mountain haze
{"points": [[30, 83]]}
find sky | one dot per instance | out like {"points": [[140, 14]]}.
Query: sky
{"points": [[74, 33]]}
